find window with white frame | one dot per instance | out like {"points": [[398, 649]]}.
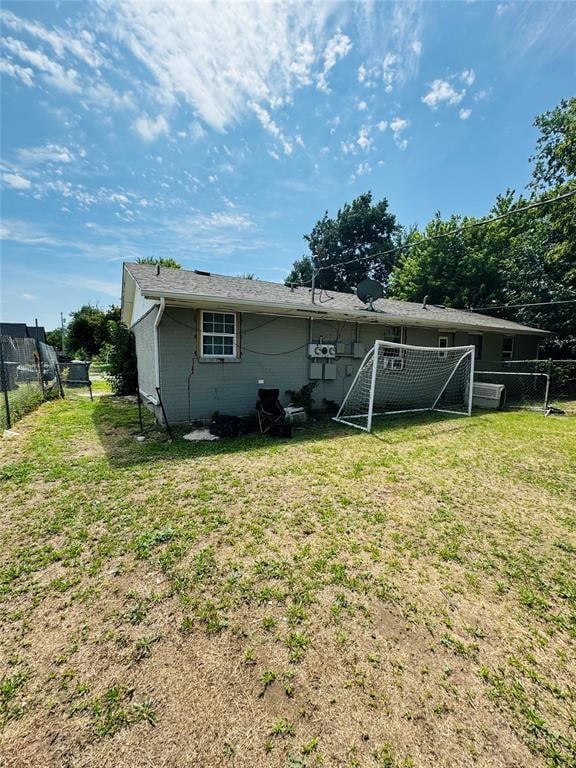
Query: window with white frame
{"points": [[442, 343], [218, 334], [507, 347], [395, 334]]}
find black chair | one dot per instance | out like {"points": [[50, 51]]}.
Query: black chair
{"points": [[271, 415]]}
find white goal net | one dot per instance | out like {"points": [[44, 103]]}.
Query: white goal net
{"points": [[400, 378]]}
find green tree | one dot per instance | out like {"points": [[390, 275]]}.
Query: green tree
{"points": [[359, 234], [458, 270], [555, 156], [162, 262], [88, 330], [54, 338]]}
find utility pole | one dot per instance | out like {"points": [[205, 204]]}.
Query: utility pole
{"points": [[313, 260], [62, 331]]}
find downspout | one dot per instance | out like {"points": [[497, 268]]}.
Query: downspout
{"points": [[159, 315]]}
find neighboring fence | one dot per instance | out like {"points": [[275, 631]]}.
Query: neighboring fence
{"points": [[533, 383], [28, 375]]}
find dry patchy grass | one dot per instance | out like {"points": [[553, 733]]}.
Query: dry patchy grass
{"points": [[339, 599]]}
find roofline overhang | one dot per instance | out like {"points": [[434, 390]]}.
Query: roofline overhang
{"points": [[312, 311]]}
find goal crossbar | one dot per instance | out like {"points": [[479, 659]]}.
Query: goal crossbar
{"points": [[396, 378]]}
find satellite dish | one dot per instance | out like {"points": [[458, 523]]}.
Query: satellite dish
{"points": [[369, 291]]}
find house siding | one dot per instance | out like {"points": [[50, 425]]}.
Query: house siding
{"points": [[271, 349]]}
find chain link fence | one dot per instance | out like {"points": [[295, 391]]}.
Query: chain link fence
{"points": [[535, 384], [29, 375]]}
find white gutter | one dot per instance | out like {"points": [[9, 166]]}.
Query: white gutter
{"points": [[161, 309]]}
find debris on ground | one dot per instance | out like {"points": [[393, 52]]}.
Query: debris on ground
{"points": [[198, 435], [9, 433]]}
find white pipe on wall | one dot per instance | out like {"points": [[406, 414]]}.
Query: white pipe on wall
{"points": [[161, 309]]}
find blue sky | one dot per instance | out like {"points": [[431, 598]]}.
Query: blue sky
{"points": [[219, 133]]}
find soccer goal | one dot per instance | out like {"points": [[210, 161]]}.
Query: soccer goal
{"points": [[400, 378], [528, 391]]}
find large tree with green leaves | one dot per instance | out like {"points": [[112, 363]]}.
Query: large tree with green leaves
{"points": [[526, 258], [360, 232], [89, 329], [555, 156]]}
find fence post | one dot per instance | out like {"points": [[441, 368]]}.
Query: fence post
{"points": [[4, 384], [39, 354]]}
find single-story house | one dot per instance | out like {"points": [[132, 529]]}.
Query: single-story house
{"points": [[23, 331], [208, 342]]}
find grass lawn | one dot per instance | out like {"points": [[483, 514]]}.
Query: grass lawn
{"points": [[338, 599]]}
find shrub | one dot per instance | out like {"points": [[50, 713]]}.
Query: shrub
{"points": [[122, 366]]}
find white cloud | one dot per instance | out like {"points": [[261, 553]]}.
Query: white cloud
{"points": [[150, 129], [465, 114], [28, 296], [338, 47], [19, 231], [397, 125], [382, 125], [363, 169], [80, 44], [302, 64], [220, 58], [49, 153], [364, 141], [24, 74], [64, 79], [363, 106], [441, 92], [362, 73], [482, 94], [390, 69], [221, 220], [468, 76], [197, 132], [15, 181], [399, 34], [269, 125], [100, 286], [103, 96]]}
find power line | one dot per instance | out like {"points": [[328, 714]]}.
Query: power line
{"points": [[451, 233], [531, 304]]}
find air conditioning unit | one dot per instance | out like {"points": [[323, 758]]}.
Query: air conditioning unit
{"points": [[392, 363], [488, 395], [327, 351]]}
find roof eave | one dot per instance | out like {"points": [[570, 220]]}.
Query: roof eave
{"points": [[311, 310]]}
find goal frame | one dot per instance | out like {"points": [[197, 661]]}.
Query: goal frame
{"points": [[468, 350], [546, 376]]}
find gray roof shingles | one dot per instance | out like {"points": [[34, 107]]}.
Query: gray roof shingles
{"points": [[189, 283]]}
